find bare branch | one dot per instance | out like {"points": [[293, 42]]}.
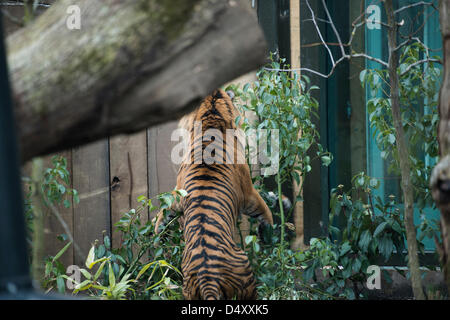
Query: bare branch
{"points": [[318, 19], [363, 55], [421, 3], [318, 31], [323, 75], [412, 65], [338, 37]]}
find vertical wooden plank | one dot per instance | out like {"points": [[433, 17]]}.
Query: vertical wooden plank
{"points": [[152, 165], [357, 100], [91, 179], [52, 226], [128, 174], [162, 172], [298, 242]]}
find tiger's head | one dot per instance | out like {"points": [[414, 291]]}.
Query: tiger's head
{"points": [[216, 111]]}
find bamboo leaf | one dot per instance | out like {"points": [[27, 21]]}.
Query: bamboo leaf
{"points": [[60, 253], [90, 258]]}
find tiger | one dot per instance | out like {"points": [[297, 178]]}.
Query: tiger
{"points": [[213, 266]]}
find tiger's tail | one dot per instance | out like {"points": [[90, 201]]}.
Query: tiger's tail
{"points": [[209, 289]]}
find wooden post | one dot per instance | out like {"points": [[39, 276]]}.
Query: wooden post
{"points": [[91, 180], [128, 177], [52, 226], [295, 64], [162, 172]]}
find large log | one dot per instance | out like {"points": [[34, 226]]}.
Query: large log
{"points": [[133, 64], [440, 178]]}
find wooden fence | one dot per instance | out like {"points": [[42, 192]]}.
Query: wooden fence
{"points": [[109, 175]]}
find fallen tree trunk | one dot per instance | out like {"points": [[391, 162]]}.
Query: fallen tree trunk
{"points": [[133, 64], [440, 178]]}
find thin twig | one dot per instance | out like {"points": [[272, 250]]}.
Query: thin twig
{"points": [[345, 56], [323, 75], [64, 225], [338, 37], [319, 33], [412, 65], [421, 3]]}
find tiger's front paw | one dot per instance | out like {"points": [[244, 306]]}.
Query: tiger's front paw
{"points": [[163, 218], [159, 224]]}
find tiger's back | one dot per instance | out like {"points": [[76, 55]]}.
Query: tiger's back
{"points": [[213, 266]]}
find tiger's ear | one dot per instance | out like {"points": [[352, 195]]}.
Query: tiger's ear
{"points": [[230, 94]]}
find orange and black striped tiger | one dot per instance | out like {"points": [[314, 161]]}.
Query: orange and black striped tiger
{"points": [[213, 266]]}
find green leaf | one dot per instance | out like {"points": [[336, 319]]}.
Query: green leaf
{"points": [[374, 183], [360, 181], [101, 251], [249, 239], [60, 253], [61, 285], [99, 270], [362, 77], [158, 252], [380, 228], [386, 246], [97, 261], [364, 240], [141, 198], [82, 286], [182, 192], [326, 160], [90, 257], [356, 266], [107, 242], [66, 204], [391, 138], [346, 247], [85, 273], [145, 268], [112, 277]]}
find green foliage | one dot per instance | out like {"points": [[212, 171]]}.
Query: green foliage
{"points": [[281, 101], [55, 272], [284, 102], [54, 189], [363, 229], [357, 238], [144, 266], [418, 92], [335, 266], [56, 183]]}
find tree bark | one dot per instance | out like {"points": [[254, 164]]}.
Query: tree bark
{"points": [[133, 64], [440, 177], [403, 155]]}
